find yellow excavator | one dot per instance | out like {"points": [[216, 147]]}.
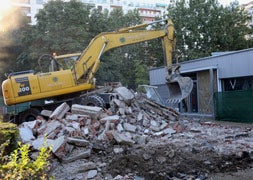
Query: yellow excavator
{"points": [[78, 78]]}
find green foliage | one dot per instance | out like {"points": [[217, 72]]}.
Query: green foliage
{"points": [[61, 27], [8, 132], [98, 22], [141, 73], [20, 166], [3, 156], [204, 26]]}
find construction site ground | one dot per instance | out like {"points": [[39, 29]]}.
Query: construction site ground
{"points": [[243, 172], [166, 160], [139, 139]]}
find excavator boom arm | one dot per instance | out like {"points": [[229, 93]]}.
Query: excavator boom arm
{"points": [[88, 63]]}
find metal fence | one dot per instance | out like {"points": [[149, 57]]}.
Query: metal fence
{"points": [[236, 106]]}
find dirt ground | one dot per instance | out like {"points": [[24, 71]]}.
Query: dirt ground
{"points": [[240, 175], [165, 160], [243, 174]]}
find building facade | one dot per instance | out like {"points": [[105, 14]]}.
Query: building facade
{"points": [[222, 72], [148, 9], [249, 8]]}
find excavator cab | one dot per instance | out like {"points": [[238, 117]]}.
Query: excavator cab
{"points": [[67, 61]]}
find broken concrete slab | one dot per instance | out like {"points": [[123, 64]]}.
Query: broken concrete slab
{"points": [[122, 138], [169, 131], [46, 113], [78, 141], [60, 111], [81, 155], [129, 127], [120, 128], [119, 103], [118, 150], [75, 125], [42, 142], [51, 126], [112, 119], [67, 130], [93, 112], [86, 167], [58, 147], [92, 174], [125, 94], [26, 134], [31, 124]]}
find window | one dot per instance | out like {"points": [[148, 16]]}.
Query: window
{"points": [[23, 1], [100, 8], [39, 1], [26, 10], [240, 83]]}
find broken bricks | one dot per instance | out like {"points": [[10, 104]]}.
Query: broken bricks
{"points": [[85, 124], [90, 128], [114, 133]]}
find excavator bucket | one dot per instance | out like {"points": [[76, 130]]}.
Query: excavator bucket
{"points": [[179, 88]]}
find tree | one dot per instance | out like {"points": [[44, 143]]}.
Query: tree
{"points": [[205, 26], [119, 64], [98, 22], [154, 50], [141, 73], [61, 27]]}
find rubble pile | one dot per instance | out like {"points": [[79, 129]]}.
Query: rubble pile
{"points": [[135, 139]]}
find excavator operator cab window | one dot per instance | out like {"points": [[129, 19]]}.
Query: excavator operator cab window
{"points": [[54, 66], [67, 61]]}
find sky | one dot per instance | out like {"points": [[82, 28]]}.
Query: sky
{"points": [[227, 2]]}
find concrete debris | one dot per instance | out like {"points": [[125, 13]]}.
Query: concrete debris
{"points": [[40, 141], [86, 167], [135, 138], [78, 141], [93, 112], [51, 126], [60, 111], [92, 174], [46, 113], [129, 119], [124, 93], [122, 138], [81, 155], [59, 147], [26, 134]]}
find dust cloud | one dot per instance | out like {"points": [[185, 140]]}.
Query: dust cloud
{"points": [[10, 20]]}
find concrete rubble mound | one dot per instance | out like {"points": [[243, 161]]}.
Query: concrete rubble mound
{"points": [[135, 138]]}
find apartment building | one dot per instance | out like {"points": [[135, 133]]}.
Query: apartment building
{"points": [[29, 8], [249, 7], [148, 9]]}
